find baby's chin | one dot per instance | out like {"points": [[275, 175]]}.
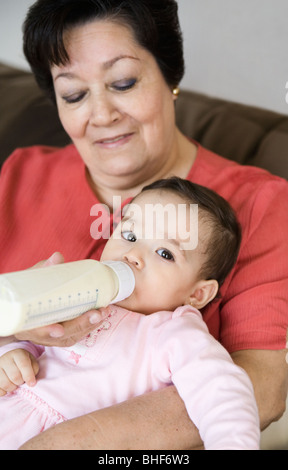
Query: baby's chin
{"points": [[128, 304], [133, 306]]}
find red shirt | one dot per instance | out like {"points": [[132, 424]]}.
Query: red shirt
{"points": [[45, 206]]}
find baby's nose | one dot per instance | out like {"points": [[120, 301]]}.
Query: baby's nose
{"points": [[134, 258]]}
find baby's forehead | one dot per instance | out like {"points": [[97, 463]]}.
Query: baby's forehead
{"points": [[160, 195], [165, 214], [157, 201]]}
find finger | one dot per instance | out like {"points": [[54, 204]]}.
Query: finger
{"points": [[24, 365], [35, 366], [65, 334], [75, 330], [6, 383], [46, 335], [78, 328], [56, 258], [14, 374]]}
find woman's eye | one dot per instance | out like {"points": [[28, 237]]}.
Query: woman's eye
{"points": [[129, 236], [74, 98], [124, 85], [166, 254]]}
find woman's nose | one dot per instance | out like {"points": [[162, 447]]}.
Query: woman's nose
{"points": [[103, 111], [134, 258]]}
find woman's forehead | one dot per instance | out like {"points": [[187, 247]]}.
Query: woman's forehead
{"points": [[101, 44], [101, 33]]}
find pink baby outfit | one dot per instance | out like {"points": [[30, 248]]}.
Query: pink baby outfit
{"points": [[127, 355]]}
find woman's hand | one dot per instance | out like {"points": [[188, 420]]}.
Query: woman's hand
{"points": [[60, 334]]}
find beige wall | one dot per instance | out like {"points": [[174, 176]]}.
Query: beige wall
{"points": [[237, 49]]}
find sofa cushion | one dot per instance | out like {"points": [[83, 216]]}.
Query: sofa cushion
{"points": [[245, 134], [27, 116]]}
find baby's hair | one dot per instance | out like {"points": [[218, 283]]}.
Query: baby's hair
{"points": [[222, 243]]}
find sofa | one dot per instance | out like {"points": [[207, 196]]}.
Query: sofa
{"points": [[246, 134]]}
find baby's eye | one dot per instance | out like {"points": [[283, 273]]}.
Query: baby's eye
{"points": [[166, 254], [124, 85], [129, 236]]}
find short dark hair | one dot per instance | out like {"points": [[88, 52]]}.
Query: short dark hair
{"points": [[222, 247], [154, 23]]}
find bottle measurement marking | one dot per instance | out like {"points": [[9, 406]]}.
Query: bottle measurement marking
{"points": [[80, 301]]}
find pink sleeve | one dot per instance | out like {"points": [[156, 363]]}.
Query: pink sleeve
{"points": [[35, 350], [218, 394], [254, 312]]}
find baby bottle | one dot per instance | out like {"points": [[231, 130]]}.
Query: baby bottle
{"points": [[42, 296]]}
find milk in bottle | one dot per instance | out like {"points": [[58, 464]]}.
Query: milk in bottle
{"points": [[42, 296]]}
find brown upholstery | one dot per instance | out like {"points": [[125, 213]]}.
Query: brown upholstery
{"points": [[246, 134], [27, 117], [242, 133]]}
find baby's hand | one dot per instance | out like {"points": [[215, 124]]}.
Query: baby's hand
{"points": [[17, 367]]}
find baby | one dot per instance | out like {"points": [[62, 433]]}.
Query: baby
{"points": [[154, 338]]}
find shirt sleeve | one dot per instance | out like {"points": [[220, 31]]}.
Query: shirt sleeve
{"points": [[218, 395], [35, 350], [254, 313]]}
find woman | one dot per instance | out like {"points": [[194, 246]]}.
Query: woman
{"points": [[113, 69]]}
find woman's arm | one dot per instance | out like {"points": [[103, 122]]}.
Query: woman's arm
{"points": [[268, 371], [159, 420]]}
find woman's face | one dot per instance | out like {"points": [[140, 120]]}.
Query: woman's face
{"points": [[115, 105]]}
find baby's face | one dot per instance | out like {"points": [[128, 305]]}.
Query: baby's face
{"points": [[165, 260]]}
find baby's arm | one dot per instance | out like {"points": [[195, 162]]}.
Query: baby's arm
{"points": [[18, 365], [218, 395]]}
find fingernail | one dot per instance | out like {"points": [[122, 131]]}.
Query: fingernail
{"points": [[95, 318], [51, 259], [32, 384], [56, 334]]}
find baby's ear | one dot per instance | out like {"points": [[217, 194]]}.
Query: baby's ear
{"points": [[203, 293]]}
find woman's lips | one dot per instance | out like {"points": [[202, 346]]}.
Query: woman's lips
{"points": [[116, 141]]}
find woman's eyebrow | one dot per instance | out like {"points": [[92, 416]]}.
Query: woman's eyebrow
{"points": [[110, 63], [68, 75], [106, 65]]}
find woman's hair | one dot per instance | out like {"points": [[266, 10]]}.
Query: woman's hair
{"points": [[221, 246], [154, 23]]}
